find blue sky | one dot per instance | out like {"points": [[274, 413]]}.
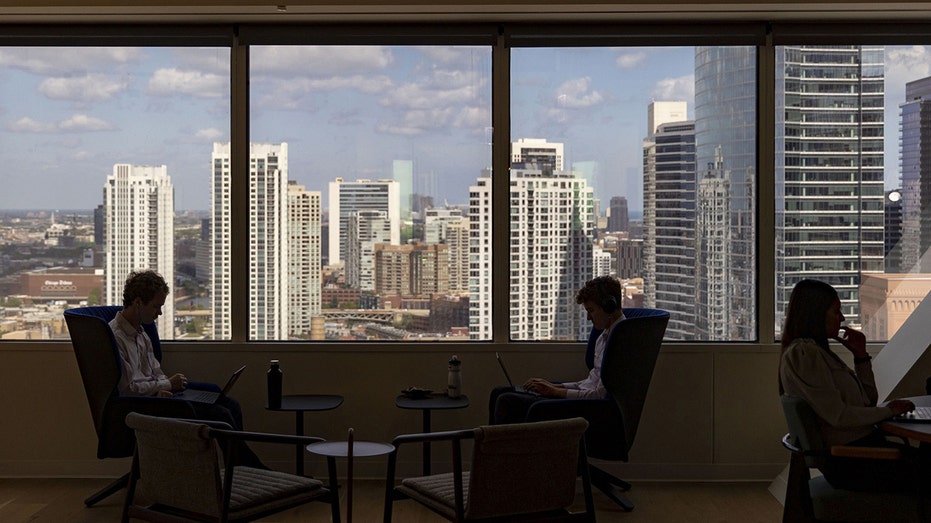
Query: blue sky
{"points": [[68, 115]]}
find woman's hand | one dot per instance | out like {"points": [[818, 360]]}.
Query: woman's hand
{"points": [[900, 406], [853, 340]]}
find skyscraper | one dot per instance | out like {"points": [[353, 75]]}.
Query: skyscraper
{"points": [[669, 217], [139, 232], [366, 228], [539, 152], [304, 252], [725, 145], [346, 197], [829, 169], [551, 230], [449, 227], [619, 220], [915, 152], [268, 241]]}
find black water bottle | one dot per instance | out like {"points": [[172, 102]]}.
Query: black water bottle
{"points": [[274, 385]]}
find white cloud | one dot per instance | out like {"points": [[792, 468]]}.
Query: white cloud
{"points": [[906, 64], [628, 60], [320, 60], [211, 59], [208, 135], [77, 123], [82, 122], [577, 94], [681, 88], [444, 55], [48, 61], [172, 81], [289, 94], [416, 96], [473, 117], [418, 121], [28, 125], [90, 88]]}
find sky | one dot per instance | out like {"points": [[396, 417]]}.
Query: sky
{"points": [[68, 115]]}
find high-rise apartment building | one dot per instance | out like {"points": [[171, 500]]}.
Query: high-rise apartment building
{"points": [[346, 197], [537, 151], [669, 196], [915, 154], [551, 231], [725, 152], [602, 262], [304, 266], [268, 241], [139, 232], [366, 229], [449, 227], [829, 169], [414, 269]]}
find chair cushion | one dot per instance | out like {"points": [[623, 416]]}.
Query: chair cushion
{"points": [[832, 504], [256, 487], [436, 491]]}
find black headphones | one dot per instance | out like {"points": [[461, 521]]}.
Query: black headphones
{"points": [[608, 301]]}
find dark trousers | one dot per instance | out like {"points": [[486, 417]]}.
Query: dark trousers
{"points": [[229, 411], [506, 406]]}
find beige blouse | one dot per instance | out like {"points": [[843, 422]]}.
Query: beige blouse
{"points": [[844, 399]]}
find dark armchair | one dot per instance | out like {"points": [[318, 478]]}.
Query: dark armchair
{"points": [[813, 500], [626, 371], [100, 365]]}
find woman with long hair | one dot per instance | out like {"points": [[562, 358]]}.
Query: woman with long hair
{"points": [[843, 398]]}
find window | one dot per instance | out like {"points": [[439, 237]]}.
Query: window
{"points": [[386, 144], [117, 140], [646, 149], [850, 197]]}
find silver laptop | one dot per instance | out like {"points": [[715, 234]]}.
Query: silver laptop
{"points": [[206, 396]]}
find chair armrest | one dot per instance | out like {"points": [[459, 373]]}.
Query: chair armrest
{"points": [[433, 436], [262, 437], [846, 451]]}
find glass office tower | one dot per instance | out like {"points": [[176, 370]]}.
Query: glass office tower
{"points": [[725, 143], [669, 218]]}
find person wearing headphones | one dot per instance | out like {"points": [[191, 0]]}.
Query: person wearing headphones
{"points": [[144, 294], [601, 297]]}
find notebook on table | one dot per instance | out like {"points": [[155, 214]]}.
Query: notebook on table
{"points": [[206, 396], [508, 377]]}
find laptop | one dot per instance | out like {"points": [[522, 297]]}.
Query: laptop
{"points": [[206, 396], [508, 377], [919, 415]]}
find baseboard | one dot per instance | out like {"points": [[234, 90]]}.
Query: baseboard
{"points": [[374, 468]]}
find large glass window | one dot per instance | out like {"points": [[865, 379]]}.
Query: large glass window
{"points": [[638, 163], [853, 205], [369, 203], [105, 153]]}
